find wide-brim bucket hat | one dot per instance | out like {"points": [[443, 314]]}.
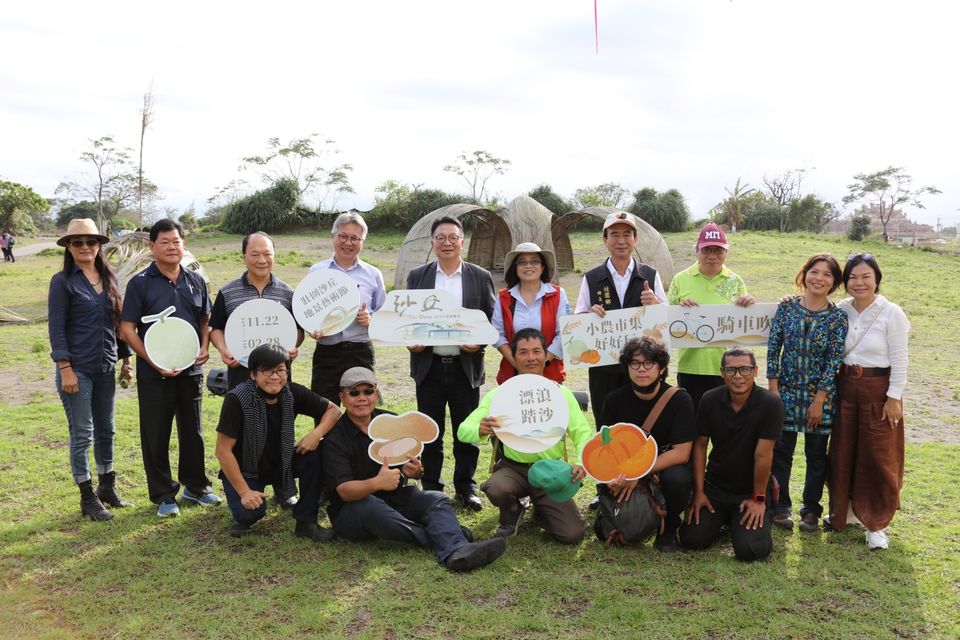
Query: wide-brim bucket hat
{"points": [[82, 227], [549, 259]]}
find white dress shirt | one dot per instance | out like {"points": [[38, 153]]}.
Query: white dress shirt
{"points": [[883, 345], [454, 284]]}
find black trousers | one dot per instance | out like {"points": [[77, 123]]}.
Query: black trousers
{"points": [[447, 384], [603, 380], [160, 402], [748, 544], [697, 385], [330, 361]]}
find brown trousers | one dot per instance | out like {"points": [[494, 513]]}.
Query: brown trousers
{"points": [[508, 483], [866, 455]]}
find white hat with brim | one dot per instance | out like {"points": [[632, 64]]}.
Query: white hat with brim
{"points": [[82, 227], [532, 247], [621, 217]]}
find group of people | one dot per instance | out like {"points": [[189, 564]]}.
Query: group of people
{"points": [[743, 484]]}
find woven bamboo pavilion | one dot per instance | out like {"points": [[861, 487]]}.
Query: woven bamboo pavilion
{"points": [[522, 220]]}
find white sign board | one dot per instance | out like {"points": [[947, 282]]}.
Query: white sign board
{"points": [[720, 325], [171, 343], [326, 300], [533, 413], [430, 317], [592, 341], [257, 322]]}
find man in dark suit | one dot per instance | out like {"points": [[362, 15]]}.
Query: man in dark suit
{"points": [[451, 375]]}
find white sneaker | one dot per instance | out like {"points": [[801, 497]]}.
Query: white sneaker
{"points": [[877, 540]]}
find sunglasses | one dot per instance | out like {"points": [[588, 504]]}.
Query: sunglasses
{"points": [[854, 256], [369, 391], [76, 243]]}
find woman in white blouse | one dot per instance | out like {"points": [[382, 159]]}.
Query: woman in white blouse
{"points": [[530, 301], [866, 450]]}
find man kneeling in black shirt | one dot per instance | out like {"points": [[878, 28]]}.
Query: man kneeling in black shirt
{"points": [[372, 501], [256, 447]]}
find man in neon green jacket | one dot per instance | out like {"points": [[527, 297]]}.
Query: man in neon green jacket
{"points": [[508, 486]]}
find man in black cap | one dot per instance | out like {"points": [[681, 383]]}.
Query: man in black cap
{"points": [[373, 501]]}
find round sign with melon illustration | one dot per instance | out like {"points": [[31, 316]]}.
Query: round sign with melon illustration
{"points": [[621, 450], [171, 343], [399, 439]]}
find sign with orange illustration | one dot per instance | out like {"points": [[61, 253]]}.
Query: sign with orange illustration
{"points": [[592, 341], [621, 450]]}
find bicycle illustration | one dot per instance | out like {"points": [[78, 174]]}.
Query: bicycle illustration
{"points": [[701, 331]]}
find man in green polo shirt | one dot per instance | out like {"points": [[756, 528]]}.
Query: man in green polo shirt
{"points": [[707, 281]]}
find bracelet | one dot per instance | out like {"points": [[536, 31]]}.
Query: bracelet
{"points": [[68, 366]]}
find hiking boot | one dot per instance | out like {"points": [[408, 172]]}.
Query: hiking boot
{"points": [[809, 523], [90, 504], [783, 520], [474, 555], [107, 491]]}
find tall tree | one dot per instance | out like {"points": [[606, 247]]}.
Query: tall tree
{"points": [[665, 211], [476, 168], [783, 189], [734, 205], [18, 203], [608, 194], [305, 161], [146, 117], [888, 189]]}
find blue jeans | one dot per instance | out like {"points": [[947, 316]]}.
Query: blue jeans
{"points": [[90, 420], [307, 468], [815, 451], [426, 520]]}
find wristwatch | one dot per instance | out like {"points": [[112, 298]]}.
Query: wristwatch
{"points": [[761, 498]]}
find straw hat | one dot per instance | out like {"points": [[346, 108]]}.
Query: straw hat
{"points": [[82, 227], [549, 259]]}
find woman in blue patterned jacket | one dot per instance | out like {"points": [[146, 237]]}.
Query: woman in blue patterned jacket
{"points": [[803, 355]]}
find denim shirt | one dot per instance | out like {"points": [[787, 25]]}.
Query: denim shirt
{"points": [[81, 325]]}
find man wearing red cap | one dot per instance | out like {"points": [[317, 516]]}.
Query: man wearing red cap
{"points": [[707, 281]]}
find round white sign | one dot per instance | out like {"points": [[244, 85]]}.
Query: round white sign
{"points": [[257, 322], [326, 300], [533, 413], [171, 343]]}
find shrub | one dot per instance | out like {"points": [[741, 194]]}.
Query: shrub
{"points": [[859, 228], [665, 211], [271, 209]]}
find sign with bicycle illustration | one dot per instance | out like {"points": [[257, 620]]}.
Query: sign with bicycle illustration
{"points": [[592, 341], [719, 325]]}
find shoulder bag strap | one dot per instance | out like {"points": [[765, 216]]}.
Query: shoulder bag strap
{"points": [[647, 425]]}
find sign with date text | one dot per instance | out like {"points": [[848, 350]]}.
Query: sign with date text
{"points": [[592, 341], [257, 322]]}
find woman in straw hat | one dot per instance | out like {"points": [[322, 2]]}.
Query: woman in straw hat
{"points": [[84, 312], [530, 301]]}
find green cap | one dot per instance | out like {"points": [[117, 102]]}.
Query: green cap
{"points": [[553, 477]]}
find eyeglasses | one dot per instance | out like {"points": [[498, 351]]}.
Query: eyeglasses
{"points": [[279, 372], [646, 365], [854, 256], [76, 243], [715, 250], [452, 239], [342, 237], [744, 371], [529, 263], [369, 391]]}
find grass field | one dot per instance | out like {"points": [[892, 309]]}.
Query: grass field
{"points": [[139, 577]]}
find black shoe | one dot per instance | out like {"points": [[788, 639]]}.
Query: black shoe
{"points": [[107, 491], [510, 528], [594, 504], [809, 522], [783, 520], [90, 504], [240, 529], [666, 543], [313, 531], [469, 501], [474, 555]]}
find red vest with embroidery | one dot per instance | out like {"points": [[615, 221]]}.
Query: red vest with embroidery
{"points": [[548, 327]]}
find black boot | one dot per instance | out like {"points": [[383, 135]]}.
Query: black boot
{"points": [[90, 504], [107, 492]]}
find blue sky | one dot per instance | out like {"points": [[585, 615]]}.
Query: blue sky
{"points": [[685, 94]]}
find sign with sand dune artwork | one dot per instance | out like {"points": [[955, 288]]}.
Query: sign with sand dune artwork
{"points": [[720, 325], [533, 413], [431, 317], [326, 300]]}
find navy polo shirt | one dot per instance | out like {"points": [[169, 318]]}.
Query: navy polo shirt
{"points": [[151, 292]]}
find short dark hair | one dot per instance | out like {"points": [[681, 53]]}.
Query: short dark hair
{"points": [[862, 258], [527, 334], [246, 240], [510, 275], [268, 356], [445, 220], [832, 263], [736, 352], [165, 224], [652, 350]]}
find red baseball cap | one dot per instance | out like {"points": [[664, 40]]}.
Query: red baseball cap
{"points": [[712, 236]]}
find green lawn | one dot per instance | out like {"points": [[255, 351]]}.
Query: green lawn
{"points": [[139, 577]]}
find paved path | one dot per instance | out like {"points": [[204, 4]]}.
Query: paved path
{"points": [[32, 249]]}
